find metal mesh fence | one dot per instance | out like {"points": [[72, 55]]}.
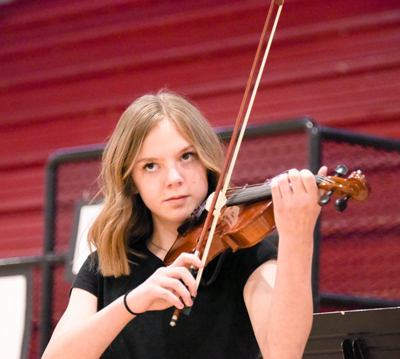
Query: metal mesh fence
{"points": [[76, 181], [360, 250], [265, 157]]}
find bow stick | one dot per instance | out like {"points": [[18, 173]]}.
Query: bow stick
{"points": [[234, 145]]}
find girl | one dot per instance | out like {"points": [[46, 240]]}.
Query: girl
{"points": [[161, 163]]}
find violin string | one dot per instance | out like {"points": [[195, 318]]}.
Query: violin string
{"points": [[254, 191], [231, 190], [324, 179]]}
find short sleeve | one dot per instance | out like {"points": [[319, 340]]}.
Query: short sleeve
{"points": [[249, 259], [87, 277]]}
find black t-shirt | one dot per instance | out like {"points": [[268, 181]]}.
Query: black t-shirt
{"points": [[218, 325]]}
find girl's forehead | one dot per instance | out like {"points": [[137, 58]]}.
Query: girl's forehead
{"points": [[163, 138], [165, 130]]}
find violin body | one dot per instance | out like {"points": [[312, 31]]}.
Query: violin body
{"points": [[240, 226]]}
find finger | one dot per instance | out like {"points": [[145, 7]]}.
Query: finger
{"points": [[182, 275], [323, 170], [308, 181], [275, 190], [284, 185], [296, 181], [186, 260], [171, 297], [179, 290]]}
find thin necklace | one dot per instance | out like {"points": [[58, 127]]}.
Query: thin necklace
{"points": [[155, 245]]}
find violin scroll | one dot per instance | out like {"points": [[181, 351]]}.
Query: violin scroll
{"points": [[355, 186]]}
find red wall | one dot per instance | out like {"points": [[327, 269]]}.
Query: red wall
{"points": [[69, 68]]}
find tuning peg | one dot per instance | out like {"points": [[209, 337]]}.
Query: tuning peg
{"points": [[341, 171], [325, 198], [341, 204]]}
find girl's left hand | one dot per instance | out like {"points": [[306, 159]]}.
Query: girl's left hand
{"points": [[295, 197]]}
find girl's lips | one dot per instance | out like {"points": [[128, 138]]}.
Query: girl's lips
{"points": [[177, 199]]}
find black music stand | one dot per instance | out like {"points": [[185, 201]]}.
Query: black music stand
{"points": [[358, 334]]}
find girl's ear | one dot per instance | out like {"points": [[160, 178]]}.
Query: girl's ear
{"points": [[131, 185]]}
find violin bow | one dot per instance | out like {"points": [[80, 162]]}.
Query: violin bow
{"points": [[235, 143]]}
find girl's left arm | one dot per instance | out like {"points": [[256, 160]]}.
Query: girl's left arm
{"points": [[278, 294]]}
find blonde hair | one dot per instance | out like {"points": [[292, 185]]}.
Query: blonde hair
{"points": [[124, 216]]}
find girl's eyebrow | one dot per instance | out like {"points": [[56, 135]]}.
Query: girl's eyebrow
{"points": [[188, 149], [154, 159], [146, 160]]}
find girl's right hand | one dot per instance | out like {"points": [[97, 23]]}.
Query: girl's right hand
{"points": [[168, 286]]}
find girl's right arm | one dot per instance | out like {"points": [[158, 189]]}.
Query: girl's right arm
{"points": [[82, 332]]}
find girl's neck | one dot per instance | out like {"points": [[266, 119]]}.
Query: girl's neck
{"points": [[162, 240]]}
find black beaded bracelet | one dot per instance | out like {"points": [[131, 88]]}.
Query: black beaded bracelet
{"points": [[126, 304]]}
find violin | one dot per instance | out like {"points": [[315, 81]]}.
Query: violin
{"points": [[248, 217]]}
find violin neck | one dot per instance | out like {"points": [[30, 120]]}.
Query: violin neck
{"points": [[254, 194]]}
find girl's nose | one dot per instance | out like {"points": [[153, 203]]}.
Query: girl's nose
{"points": [[174, 176]]}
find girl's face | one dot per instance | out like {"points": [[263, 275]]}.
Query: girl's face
{"points": [[169, 175]]}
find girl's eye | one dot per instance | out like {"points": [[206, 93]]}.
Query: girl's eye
{"points": [[150, 167], [188, 156]]}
